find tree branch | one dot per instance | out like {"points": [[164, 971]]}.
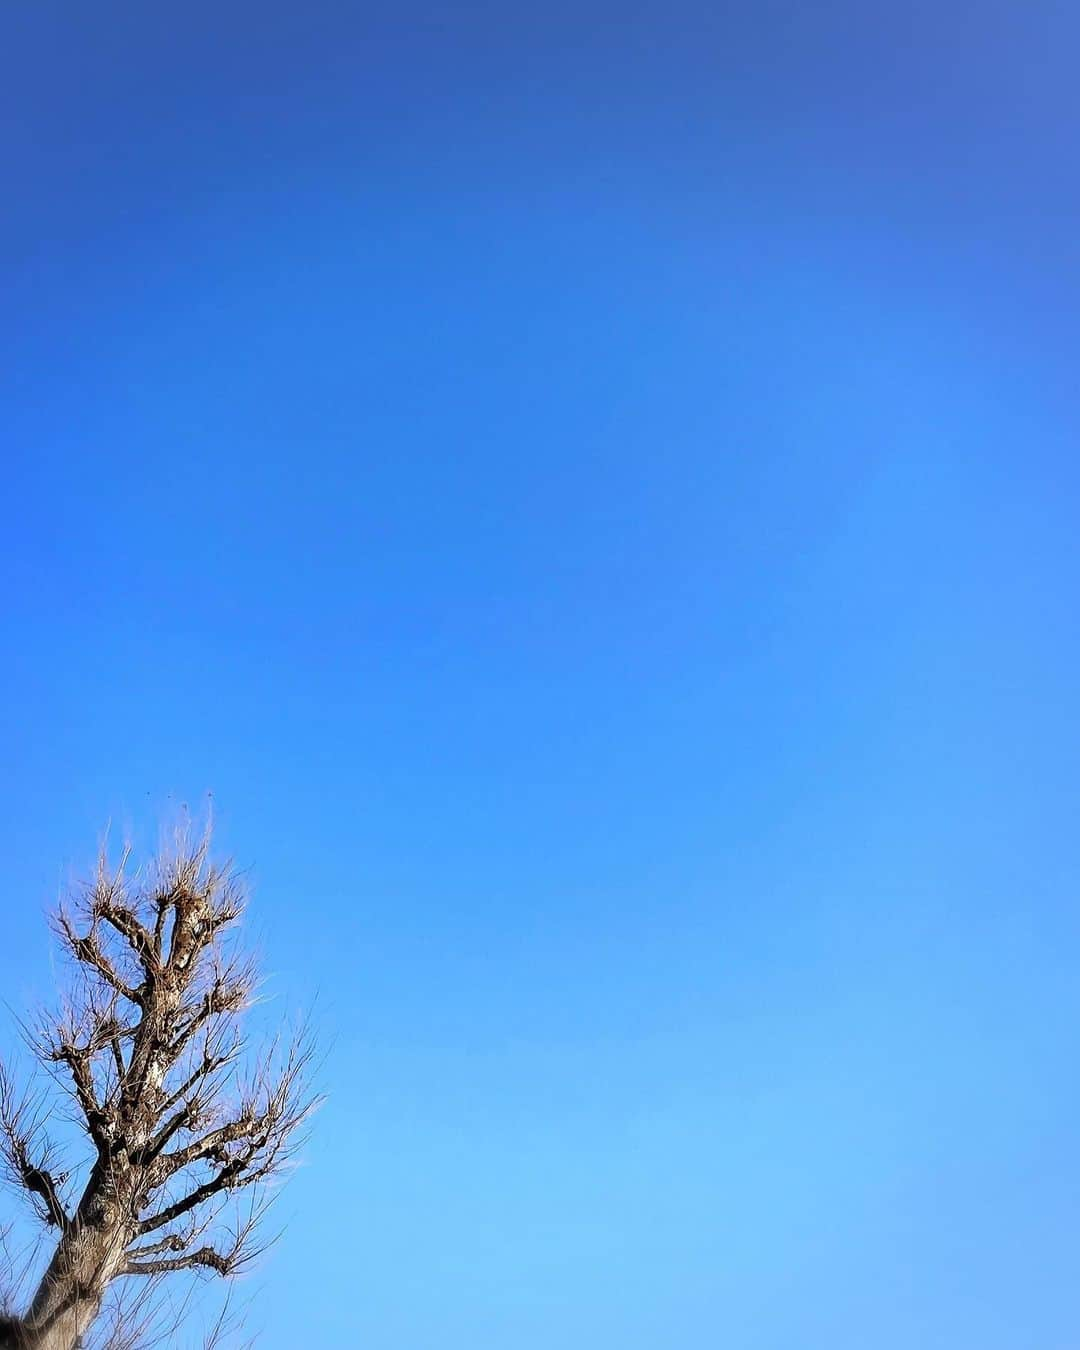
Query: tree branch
{"points": [[89, 951], [127, 924], [208, 1257], [210, 1146], [78, 1061], [201, 1075], [20, 1126], [40, 1182], [220, 1182], [224, 996]]}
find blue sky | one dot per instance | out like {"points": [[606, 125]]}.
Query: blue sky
{"points": [[592, 491]]}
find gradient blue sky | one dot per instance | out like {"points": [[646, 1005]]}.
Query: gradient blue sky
{"points": [[592, 490]]}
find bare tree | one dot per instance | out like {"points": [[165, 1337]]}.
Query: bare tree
{"points": [[180, 1137]]}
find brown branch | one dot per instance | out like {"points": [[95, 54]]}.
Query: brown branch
{"points": [[118, 1058], [20, 1126], [186, 1115], [202, 1075], [174, 1242], [88, 950], [229, 993], [39, 1182], [208, 1257], [78, 1060], [255, 1129], [222, 1181], [127, 924]]}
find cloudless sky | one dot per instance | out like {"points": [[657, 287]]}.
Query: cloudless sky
{"points": [[592, 491]]}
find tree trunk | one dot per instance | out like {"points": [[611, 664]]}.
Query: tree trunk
{"points": [[70, 1293]]}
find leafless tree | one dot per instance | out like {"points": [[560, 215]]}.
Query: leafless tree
{"points": [[182, 1130]]}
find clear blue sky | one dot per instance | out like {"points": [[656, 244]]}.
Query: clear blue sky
{"points": [[592, 490]]}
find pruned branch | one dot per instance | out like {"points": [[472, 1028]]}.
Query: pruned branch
{"points": [[39, 1182], [107, 902], [26, 1153], [202, 1076], [78, 1060], [88, 950], [229, 993], [175, 1242], [207, 1257], [221, 1181]]}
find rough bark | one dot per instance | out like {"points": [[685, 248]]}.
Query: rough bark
{"points": [[70, 1294]]}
